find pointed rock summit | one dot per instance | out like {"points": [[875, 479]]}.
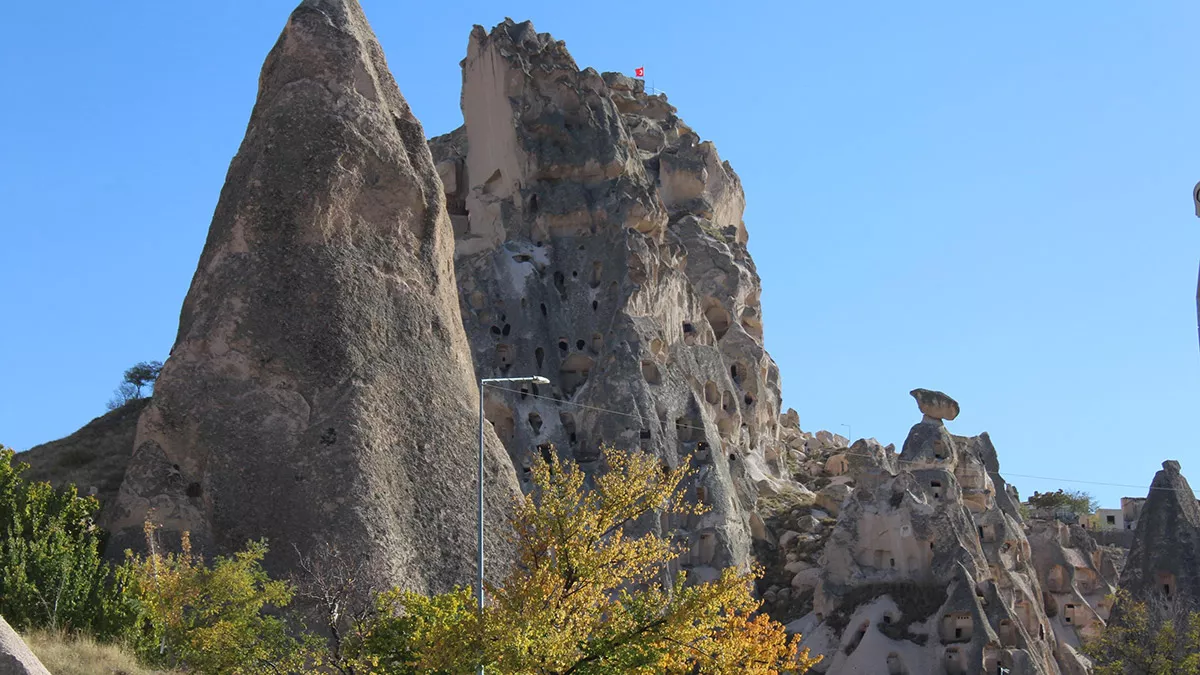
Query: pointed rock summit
{"points": [[1164, 561], [320, 388]]}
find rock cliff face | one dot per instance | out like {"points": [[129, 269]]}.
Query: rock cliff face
{"points": [[600, 243], [320, 388], [1164, 561], [927, 569]]}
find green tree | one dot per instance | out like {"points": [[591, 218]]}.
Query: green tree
{"points": [[1147, 639], [51, 572], [217, 619], [1079, 502], [137, 378]]}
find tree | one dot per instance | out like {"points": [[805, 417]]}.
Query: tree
{"points": [[1079, 502], [137, 377], [218, 619], [587, 596], [1154, 638], [51, 572]]}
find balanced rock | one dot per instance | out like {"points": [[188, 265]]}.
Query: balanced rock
{"points": [[1163, 566], [320, 389], [935, 404], [600, 244]]}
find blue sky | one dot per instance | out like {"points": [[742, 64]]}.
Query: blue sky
{"points": [[992, 199]]}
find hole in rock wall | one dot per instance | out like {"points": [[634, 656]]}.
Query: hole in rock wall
{"points": [[1008, 633], [937, 489], [533, 205], [560, 284], [574, 372], [651, 374], [535, 423], [504, 356], [749, 399], [735, 373], [568, 425], [687, 429], [597, 269], [732, 457], [718, 318], [539, 355], [689, 333], [595, 305], [711, 394], [580, 344], [727, 402], [1166, 583], [644, 434], [495, 330], [543, 309], [562, 344], [193, 490], [524, 392], [547, 452], [506, 330]]}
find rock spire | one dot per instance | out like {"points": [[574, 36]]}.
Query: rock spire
{"points": [[1164, 561], [320, 388]]}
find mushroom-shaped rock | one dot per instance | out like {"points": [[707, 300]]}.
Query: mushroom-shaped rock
{"points": [[935, 404]]}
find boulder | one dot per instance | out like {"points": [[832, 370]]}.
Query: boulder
{"points": [[15, 656]]}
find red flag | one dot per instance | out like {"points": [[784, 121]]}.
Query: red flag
{"points": [[640, 71]]}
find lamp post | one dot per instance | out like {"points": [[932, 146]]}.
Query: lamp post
{"points": [[849, 435], [537, 379]]}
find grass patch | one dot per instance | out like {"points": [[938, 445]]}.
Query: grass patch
{"points": [[81, 655]]}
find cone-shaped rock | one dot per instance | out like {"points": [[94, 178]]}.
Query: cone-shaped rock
{"points": [[320, 388], [1164, 561]]}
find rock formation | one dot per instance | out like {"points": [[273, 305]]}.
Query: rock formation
{"points": [[927, 569], [320, 388], [1078, 579], [600, 243], [15, 656], [1164, 561], [92, 459]]}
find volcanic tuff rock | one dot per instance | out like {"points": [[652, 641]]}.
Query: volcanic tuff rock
{"points": [[15, 656], [1078, 579], [320, 387], [600, 243], [1164, 561], [92, 459], [927, 568]]}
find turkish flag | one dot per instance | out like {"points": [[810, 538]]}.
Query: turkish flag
{"points": [[639, 72]]}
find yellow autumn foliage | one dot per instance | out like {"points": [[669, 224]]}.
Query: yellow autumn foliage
{"points": [[587, 596]]}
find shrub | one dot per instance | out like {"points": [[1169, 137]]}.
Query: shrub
{"points": [[216, 619], [51, 572]]}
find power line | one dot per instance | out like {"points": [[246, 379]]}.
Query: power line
{"points": [[641, 418]]}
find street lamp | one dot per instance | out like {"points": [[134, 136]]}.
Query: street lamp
{"points": [[537, 379]]}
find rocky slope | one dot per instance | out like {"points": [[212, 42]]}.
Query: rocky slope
{"points": [[320, 388], [600, 243], [92, 459]]}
